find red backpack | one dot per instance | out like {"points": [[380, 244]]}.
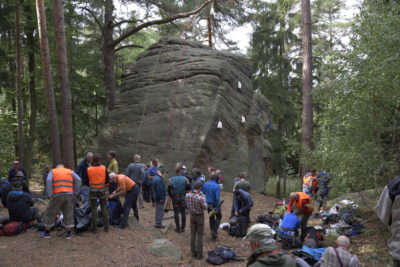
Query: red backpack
{"points": [[14, 228]]}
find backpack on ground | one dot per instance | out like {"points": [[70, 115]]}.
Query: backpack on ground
{"points": [[14, 228], [221, 255], [238, 226], [114, 211]]}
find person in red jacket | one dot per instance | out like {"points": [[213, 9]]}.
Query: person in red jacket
{"points": [[300, 202]]}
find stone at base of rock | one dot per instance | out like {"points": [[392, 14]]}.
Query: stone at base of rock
{"points": [[165, 248]]}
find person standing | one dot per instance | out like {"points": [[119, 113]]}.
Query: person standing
{"points": [[177, 187], [98, 181], [62, 185], [127, 187], [388, 211], [310, 182], [196, 204], [300, 202], [136, 172], [197, 176], [81, 170], [212, 191], [242, 183], [113, 166], [150, 173], [159, 195]]}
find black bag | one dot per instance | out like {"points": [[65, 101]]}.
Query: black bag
{"points": [[221, 255], [238, 226]]}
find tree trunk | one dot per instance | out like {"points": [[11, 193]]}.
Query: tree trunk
{"points": [[31, 137], [109, 54], [18, 83], [62, 67], [307, 114], [48, 83], [209, 29]]}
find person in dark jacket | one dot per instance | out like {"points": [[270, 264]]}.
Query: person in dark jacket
{"points": [[264, 248], [159, 195], [12, 173], [19, 205], [136, 171], [81, 171], [242, 204], [7, 187]]}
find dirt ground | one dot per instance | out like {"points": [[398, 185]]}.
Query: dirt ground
{"points": [[128, 247]]}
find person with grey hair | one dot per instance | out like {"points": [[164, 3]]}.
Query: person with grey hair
{"points": [[81, 170], [136, 172], [264, 248]]}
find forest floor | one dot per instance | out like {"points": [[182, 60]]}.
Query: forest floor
{"points": [[128, 247]]}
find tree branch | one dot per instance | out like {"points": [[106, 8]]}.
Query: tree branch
{"points": [[95, 18], [134, 30], [127, 46], [124, 21]]}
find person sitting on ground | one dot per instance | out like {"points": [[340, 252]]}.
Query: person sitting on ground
{"points": [[113, 166], [98, 182], [264, 248], [197, 176], [300, 202], [62, 186], [242, 183], [196, 203], [81, 170], [339, 256], [127, 187], [7, 187], [242, 204], [288, 231], [177, 190], [159, 195], [212, 191], [136, 171], [20, 204], [310, 182]]}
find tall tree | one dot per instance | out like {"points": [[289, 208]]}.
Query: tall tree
{"points": [[48, 83], [18, 83], [62, 67], [307, 113], [113, 43]]}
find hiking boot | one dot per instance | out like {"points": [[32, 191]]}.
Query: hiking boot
{"points": [[68, 236], [106, 229], [122, 226], [213, 236], [160, 226], [45, 234], [199, 256], [182, 230], [94, 231], [177, 230]]}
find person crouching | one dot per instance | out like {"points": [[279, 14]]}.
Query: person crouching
{"points": [[19, 205]]}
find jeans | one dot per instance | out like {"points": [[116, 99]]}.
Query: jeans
{"points": [[159, 213], [214, 221], [182, 211], [63, 203], [101, 195], [130, 203], [196, 234]]}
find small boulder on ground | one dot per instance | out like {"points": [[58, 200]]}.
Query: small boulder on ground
{"points": [[165, 248]]}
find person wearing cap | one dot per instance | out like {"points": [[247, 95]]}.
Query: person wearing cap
{"points": [[177, 187], [264, 248], [196, 204], [159, 195], [127, 187], [19, 204], [300, 203], [62, 186]]}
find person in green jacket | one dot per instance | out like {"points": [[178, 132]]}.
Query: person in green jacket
{"points": [[264, 249]]}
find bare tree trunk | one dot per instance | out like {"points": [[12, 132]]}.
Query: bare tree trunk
{"points": [[48, 83], [31, 137], [20, 109], [62, 67], [209, 29], [109, 54], [307, 114]]}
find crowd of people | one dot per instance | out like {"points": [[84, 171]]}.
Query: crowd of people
{"points": [[189, 193]]}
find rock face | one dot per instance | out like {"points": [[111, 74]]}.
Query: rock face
{"points": [[172, 98]]}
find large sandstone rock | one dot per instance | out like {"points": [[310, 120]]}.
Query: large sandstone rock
{"points": [[171, 100]]}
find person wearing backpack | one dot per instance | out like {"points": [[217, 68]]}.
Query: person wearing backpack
{"points": [[310, 181], [196, 203], [264, 248], [62, 186], [177, 187], [19, 204], [323, 191]]}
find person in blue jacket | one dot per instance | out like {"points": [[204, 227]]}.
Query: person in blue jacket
{"points": [[212, 191]]}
